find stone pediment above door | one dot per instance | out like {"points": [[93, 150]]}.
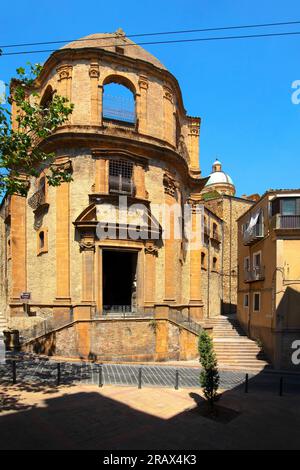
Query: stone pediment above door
{"points": [[127, 215]]}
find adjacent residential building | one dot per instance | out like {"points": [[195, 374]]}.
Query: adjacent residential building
{"points": [[269, 274], [219, 198]]}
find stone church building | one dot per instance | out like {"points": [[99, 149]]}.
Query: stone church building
{"points": [[129, 135]]}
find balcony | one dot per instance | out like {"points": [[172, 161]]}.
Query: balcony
{"points": [[38, 200], [121, 185], [215, 236], [255, 274], [253, 234], [285, 222], [206, 230]]}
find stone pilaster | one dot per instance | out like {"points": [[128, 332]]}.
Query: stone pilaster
{"points": [[101, 176], [169, 242], [87, 247], [169, 119], [63, 243], [139, 181], [142, 104], [18, 245], [151, 253], [195, 268], [96, 110]]}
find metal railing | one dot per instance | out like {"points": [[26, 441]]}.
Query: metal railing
{"points": [[185, 320], [252, 234], [37, 199], [255, 274], [44, 327], [279, 221], [123, 311]]}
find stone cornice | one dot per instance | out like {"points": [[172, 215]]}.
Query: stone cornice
{"points": [[155, 149]]}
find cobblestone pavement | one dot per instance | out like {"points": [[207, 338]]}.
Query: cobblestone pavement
{"points": [[36, 370]]}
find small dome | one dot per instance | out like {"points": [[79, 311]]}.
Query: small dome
{"points": [[111, 41], [219, 181], [219, 177]]}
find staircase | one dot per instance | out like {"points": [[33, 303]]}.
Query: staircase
{"points": [[233, 348]]}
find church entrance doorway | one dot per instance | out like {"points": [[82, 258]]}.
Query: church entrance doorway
{"points": [[119, 281]]}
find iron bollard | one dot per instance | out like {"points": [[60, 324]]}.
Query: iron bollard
{"points": [[140, 378], [281, 386], [58, 373], [100, 377], [176, 380], [14, 372], [246, 383]]}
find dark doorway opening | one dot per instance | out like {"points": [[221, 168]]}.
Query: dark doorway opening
{"points": [[119, 280]]}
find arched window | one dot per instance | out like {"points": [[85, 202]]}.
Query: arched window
{"points": [[119, 102], [42, 241], [47, 97], [215, 263]]}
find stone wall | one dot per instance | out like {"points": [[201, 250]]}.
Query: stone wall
{"points": [[119, 340]]}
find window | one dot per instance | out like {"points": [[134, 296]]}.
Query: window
{"points": [[203, 260], [119, 101], [42, 241], [256, 301], [214, 263], [8, 248], [120, 177], [215, 231], [290, 206], [247, 263], [246, 300], [257, 260]]}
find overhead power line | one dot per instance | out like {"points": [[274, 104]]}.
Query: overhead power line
{"points": [[187, 31], [174, 41]]}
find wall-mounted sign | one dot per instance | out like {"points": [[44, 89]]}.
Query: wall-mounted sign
{"points": [[25, 296]]}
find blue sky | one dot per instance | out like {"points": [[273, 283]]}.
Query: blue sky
{"points": [[241, 89]]}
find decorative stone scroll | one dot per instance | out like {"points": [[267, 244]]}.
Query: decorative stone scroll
{"points": [[64, 72], [169, 185], [94, 70], [151, 249]]}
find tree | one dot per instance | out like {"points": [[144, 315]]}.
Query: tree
{"points": [[209, 375], [21, 153]]}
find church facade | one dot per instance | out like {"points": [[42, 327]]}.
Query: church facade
{"points": [[147, 154]]}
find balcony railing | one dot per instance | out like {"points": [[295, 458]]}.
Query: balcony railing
{"points": [[121, 185], [216, 236], [253, 234], [206, 230], [285, 221], [37, 199], [255, 274]]}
